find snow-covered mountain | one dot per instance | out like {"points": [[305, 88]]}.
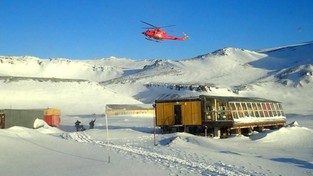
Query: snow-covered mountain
{"points": [[93, 70], [282, 73], [82, 88]]}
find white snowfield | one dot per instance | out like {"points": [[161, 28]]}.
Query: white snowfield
{"points": [[82, 88], [131, 151]]}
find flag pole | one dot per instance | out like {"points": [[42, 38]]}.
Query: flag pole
{"points": [[107, 136]]}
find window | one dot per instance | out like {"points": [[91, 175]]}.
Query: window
{"points": [[259, 106], [255, 109], [239, 110], [250, 109], [232, 106], [280, 109], [223, 111], [273, 109], [234, 114], [276, 113], [209, 111], [245, 109], [233, 110], [265, 110]]}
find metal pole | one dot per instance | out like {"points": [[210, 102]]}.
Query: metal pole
{"points": [[154, 125], [155, 143], [107, 130]]}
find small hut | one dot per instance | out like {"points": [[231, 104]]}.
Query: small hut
{"points": [[27, 117]]}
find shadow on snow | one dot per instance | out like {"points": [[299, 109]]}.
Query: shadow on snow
{"points": [[297, 162]]}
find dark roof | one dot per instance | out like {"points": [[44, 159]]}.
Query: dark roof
{"points": [[240, 99], [221, 98], [178, 99]]}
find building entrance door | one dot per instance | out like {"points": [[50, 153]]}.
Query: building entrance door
{"points": [[177, 114], [2, 121]]}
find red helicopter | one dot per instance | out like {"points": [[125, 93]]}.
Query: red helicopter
{"points": [[155, 33]]}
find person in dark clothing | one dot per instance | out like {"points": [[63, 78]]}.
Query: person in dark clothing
{"points": [[77, 123], [78, 126], [92, 124]]}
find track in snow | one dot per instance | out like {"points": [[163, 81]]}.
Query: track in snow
{"points": [[189, 167]]}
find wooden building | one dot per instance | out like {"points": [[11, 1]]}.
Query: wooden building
{"points": [[217, 115], [27, 117]]}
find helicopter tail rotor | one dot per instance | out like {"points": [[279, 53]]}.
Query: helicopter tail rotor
{"points": [[185, 36]]}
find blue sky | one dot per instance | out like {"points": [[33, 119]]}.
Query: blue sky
{"points": [[89, 29]]}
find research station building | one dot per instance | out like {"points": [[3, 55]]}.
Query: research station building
{"points": [[218, 115]]}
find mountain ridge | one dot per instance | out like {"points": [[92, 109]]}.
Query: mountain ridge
{"points": [[282, 73]]}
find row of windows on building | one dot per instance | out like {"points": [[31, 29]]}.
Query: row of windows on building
{"points": [[248, 109], [255, 109]]}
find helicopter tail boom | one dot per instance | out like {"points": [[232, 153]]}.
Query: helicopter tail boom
{"points": [[180, 38]]}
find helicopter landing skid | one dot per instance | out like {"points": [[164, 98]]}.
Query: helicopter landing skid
{"points": [[150, 39]]}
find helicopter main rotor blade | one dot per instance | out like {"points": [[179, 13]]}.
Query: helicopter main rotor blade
{"points": [[167, 26], [157, 26], [148, 27], [149, 24]]}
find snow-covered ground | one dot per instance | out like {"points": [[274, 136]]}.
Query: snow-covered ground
{"points": [[82, 88], [131, 150]]}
